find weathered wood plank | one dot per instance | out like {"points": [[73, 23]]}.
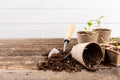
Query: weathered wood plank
{"points": [[18, 60], [26, 53], [36, 41], [112, 74], [29, 47]]}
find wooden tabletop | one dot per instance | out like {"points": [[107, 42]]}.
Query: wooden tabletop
{"points": [[18, 58]]}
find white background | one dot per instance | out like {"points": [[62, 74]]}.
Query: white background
{"points": [[51, 18]]}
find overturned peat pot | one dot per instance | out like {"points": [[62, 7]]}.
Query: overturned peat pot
{"points": [[92, 56]]}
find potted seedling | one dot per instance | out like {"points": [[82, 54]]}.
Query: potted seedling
{"points": [[87, 35], [114, 53], [104, 45], [102, 32], [113, 41]]}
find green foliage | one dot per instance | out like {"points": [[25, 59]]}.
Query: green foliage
{"points": [[98, 21], [104, 41], [89, 24], [114, 40]]}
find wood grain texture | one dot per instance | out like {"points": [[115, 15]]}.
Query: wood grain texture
{"points": [[26, 53], [21, 56]]}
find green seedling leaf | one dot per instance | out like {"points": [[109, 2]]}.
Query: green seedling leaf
{"points": [[98, 22], [101, 17], [114, 40], [89, 23], [104, 41], [85, 28], [92, 20]]}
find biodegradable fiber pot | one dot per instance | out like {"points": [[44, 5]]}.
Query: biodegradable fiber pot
{"points": [[83, 36], [113, 56], [88, 54], [103, 33]]}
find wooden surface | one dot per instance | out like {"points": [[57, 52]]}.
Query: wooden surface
{"points": [[18, 58], [25, 53]]}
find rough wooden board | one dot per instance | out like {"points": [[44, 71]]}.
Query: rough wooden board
{"points": [[28, 47], [19, 56], [25, 53], [113, 74], [20, 62]]}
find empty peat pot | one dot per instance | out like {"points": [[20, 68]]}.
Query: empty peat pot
{"points": [[88, 54]]}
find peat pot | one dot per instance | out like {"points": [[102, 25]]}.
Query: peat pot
{"points": [[113, 56], [103, 33], [88, 54], [83, 36]]}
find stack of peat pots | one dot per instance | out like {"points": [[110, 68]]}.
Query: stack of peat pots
{"points": [[95, 46], [90, 51], [113, 52], [111, 48], [103, 38]]}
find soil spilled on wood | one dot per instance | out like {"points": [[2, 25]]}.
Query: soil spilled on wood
{"points": [[57, 63]]}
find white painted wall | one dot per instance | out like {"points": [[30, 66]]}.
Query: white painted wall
{"points": [[51, 18]]}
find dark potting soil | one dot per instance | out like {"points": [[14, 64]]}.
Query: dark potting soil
{"points": [[86, 33], [102, 29], [114, 44], [57, 63]]}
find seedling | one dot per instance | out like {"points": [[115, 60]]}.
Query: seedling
{"points": [[104, 41], [114, 40], [98, 21], [87, 28]]}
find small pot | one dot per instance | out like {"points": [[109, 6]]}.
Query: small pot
{"points": [[88, 54], [83, 36], [113, 56], [103, 33], [103, 47]]}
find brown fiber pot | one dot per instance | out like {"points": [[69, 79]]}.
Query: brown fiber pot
{"points": [[88, 54], [83, 36], [113, 57], [103, 33]]}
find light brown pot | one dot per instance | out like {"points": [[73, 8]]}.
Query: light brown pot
{"points": [[103, 47], [83, 37], [103, 33], [113, 57], [88, 54]]}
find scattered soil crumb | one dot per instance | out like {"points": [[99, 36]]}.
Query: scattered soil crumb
{"points": [[57, 63]]}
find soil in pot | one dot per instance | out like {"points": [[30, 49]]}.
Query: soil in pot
{"points": [[114, 44], [83, 36], [103, 33]]}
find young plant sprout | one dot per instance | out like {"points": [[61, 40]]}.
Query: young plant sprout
{"points": [[104, 41], [87, 28], [98, 21], [114, 40]]}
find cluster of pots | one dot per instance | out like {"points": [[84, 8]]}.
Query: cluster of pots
{"points": [[90, 50]]}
